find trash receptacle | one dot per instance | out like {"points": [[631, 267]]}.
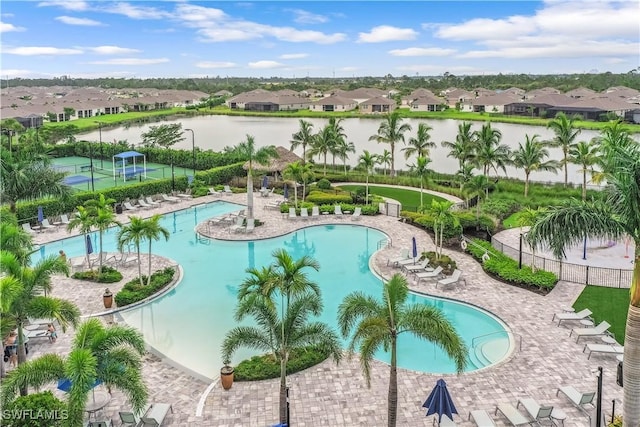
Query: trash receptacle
{"points": [[118, 208]]}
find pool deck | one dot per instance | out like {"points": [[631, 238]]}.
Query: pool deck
{"points": [[330, 395]]}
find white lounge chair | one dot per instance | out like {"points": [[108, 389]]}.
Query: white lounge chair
{"points": [[27, 227], [251, 225], [169, 199], [603, 348], [315, 212], [596, 331], [227, 190], [582, 314], [578, 399], [152, 202], [273, 205], [404, 256], [156, 415], [292, 213], [186, 194], [535, 410], [414, 268], [129, 207], [515, 417], [451, 280], [408, 261], [46, 225], [482, 418], [239, 224], [304, 213], [429, 274], [64, 219], [214, 192], [337, 210], [144, 204]]}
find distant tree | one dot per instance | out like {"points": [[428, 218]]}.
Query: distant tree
{"points": [[391, 131], [565, 136], [530, 158], [421, 170], [489, 153], [368, 162], [385, 160], [164, 136], [421, 143], [304, 137], [586, 155]]}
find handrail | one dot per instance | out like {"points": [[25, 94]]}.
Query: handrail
{"points": [[493, 250], [384, 243], [473, 340]]}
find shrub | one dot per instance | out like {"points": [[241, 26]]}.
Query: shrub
{"points": [[500, 208], [320, 198], [267, 366], [36, 403], [447, 264], [507, 269], [372, 209], [133, 292], [106, 275], [324, 184]]}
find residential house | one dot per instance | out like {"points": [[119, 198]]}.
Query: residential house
{"points": [[538, 106], [377, 105], [363, 94], [489, 103], [594, 108], [334, 103], [580, 92], [540, 92], [427, 103], [457, 97]]}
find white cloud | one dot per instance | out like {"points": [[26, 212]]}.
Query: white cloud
{"points": [[615, 61], [40, 50], [348, 69], [226, 35], [387, 33], [265, 64], [6, 28], [294, 56], [112, 50], [441, 69], [136, 12], [131, 61], [213, 64], [244, 30], [77, 5], [16, 73], [422, 51], [488, 29], [199, 15], [560, 50], [70, 20], [305, 17]]}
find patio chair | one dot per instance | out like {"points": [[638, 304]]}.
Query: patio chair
{"points": [[144, 204], [46, 225], [156, 415], [515, 417], [273, 205], [131, 419], [169, 199], [214, 192], [337, 210], [315, 212], [129, 207], [596, 331], [152, 202], [582, 314], [227, 190], [395, 262], [251, 225], [535, 410], [578, 399], [414, 268], [238, 225], [482, 418], [186, 194], [408, 261], [100, 423], [292, 213], [27, 227], [356, 214], [603, 348], [64, 219], [429, 274], [77, 263], [452, 280], [304, 213]]}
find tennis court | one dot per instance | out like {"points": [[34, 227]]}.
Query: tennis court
{"points": [[80, 174]]}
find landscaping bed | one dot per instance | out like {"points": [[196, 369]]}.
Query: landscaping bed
{"points": [[266, 366], [133, 291]]}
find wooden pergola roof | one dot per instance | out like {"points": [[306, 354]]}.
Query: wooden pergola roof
{"points": [[276, 164]]}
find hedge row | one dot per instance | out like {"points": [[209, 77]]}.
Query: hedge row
{"points": [[465, 221], [267, 366], [133, 292], [330, 209], [320, 198], [507, 269]]}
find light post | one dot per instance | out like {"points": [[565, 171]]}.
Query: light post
{"points": [[91, 165], [193, 149], [520, 253], [101, 153], [599, 401]]}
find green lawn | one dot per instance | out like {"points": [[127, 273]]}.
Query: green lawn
{"points": [[408, 198], [608, 304]]}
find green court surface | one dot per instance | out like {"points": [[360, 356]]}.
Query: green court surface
{"points": [[79, 174]]}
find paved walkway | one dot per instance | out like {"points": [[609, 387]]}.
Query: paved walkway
{"points": [[337, 395]]}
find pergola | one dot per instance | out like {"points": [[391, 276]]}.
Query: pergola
{"points": [[129, 170]]}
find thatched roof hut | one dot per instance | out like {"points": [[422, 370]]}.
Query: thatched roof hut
{"points": [[276, 164]]}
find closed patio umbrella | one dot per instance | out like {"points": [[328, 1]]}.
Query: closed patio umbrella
{"points": [[40, 214], [414, 249], [440, 402], [286, 192]]}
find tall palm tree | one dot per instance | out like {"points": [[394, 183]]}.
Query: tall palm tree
{"points": [[530, 158], [298, 173], [153, 231], [339, 137], [421, 170], [614, 216], [103, 218], [323, 143], [391, 131], [133, 233], [342, 151], [15, 240], [421, 144], [614, 134], [368, 162], [464, 174], [111, 354], [489, 153], [587, 155], [247, 150], [287, 279], [385, 160], [565, 136], [84, 221], [28, 301], [462, 149], [441, 212], [478, 186], [303, 137], [378, 324], [526, 218]]}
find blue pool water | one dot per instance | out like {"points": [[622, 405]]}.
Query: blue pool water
{"points": [[188, 323]]}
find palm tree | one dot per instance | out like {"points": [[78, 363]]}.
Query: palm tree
{"points": [[323, 143], [587, 155], [421, 143], [385, 160], [391, 131], [303, 137], [368, 162], [286, 279], [420, 169], [478, 186], [247, 150], [441, 212], [526, 218], [28, 301], [15, 240], [103, 218], [110, 354], [378, 324], [565, 136], [132, 233], [489, 153], [464, 174], [342, 151], [530, 157], [84, 221], [339, 137], [463, 147], [298, 173], [612, 217], [613, 135]]}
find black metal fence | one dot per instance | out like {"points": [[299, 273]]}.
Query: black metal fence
{"points": [[569, 272]]}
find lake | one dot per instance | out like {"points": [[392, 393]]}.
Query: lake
{"points": [[216, 132]]}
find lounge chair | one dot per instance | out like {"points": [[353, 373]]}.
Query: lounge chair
{"points": [[34, 334], [27, 227], [315, 212], [412, 268], [337, 210], [596, 331], [214, 192], [129, 207], [144, 204], [515, 417], [64, 219], [429, 274], [535, 410], [169, 199], [186, 194], [227, 190], [131, 419], [451, 280], [239, 224], [46, 225], [152, 202], [578, 399], [156, 414], [77, 263], [395, 262], [582, 314], [304, 213], [100, 423], [603, 348], [356, 214], [408, 261], [292, 213], [251, 225], [273, 205], [482, 418]]}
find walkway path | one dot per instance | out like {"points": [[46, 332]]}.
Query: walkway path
{"points": [[327, 395]]}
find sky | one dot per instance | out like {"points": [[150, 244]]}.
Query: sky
{"points": [[145, 39]]}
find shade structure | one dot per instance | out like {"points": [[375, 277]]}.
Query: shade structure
{"points": [[414, 249], [286, 192], [65, 384], [40, 214], [89, 245], [440, 402]]}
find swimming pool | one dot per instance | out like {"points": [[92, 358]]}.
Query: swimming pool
{"points": [[188, 323]]}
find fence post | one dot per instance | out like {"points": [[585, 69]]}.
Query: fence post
{"points": [[586, 282], [620, 279]]}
